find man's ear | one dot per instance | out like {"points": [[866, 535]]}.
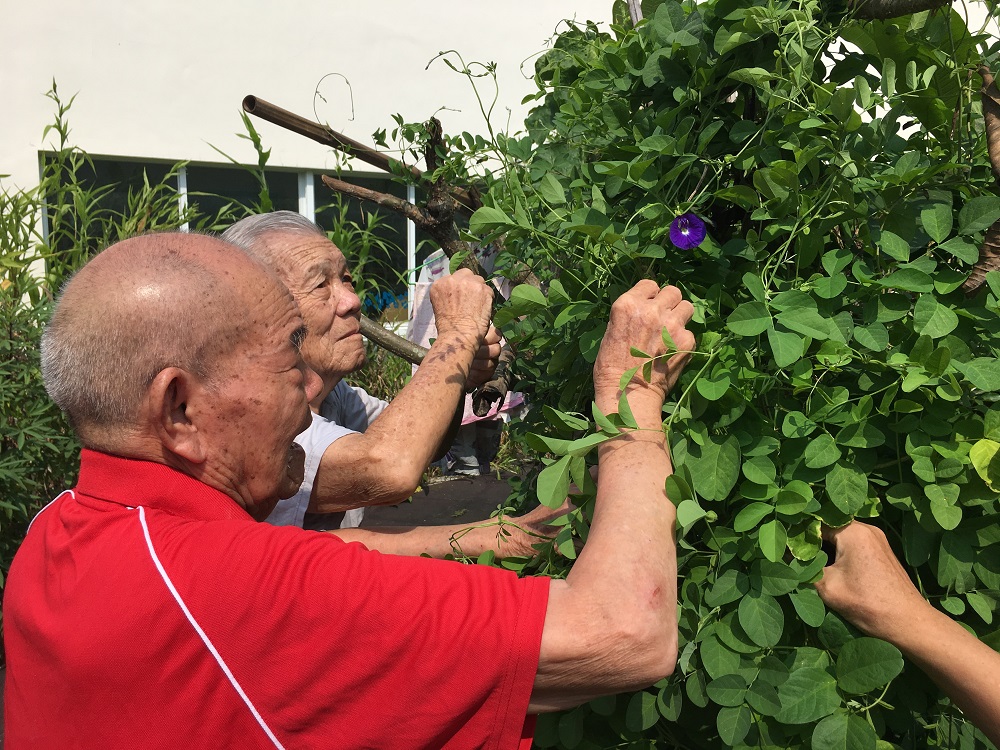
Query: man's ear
{"points": [[168, 404]]}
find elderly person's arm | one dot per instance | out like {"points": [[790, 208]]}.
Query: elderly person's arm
{"points": [[611, 625], [506, 536], [383, 465], [868, 586]]}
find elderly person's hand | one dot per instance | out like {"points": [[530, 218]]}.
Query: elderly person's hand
{"points": [[867, 584], [485, 362], [522, 533], [638, 318], [463, 304]]}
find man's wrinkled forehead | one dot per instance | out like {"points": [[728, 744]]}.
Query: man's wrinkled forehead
{"points": [[322, 258]]}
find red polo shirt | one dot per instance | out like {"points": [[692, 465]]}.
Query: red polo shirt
{"points": [[146, 609]]}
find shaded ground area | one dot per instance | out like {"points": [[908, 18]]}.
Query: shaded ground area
{"points": [[455, 500]]}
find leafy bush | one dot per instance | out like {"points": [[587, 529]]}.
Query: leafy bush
{"points": [[841, 169]]}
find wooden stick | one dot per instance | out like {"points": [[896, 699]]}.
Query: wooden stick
{"points": [[412, 353], [328, 137]]}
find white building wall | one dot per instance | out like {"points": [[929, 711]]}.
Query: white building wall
{"points": [[164, 80]]}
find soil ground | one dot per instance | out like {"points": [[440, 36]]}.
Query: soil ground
{"points": [[453, 500], [448, 500]]}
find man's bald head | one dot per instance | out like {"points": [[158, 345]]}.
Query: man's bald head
{"points": [[142, 305]]}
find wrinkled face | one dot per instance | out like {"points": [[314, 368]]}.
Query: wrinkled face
{"points": [[316, 273], [262, 403]]}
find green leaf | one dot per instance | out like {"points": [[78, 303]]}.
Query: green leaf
{"points": [[625, 412], [761, 618], [716, 658], [842, 731], [565, 419], [749, 319], [786, 347], [717, 470], [641, 713], [807, 695], [603, 422], [937, 220], [727, 690], [728, 587], [931, 318], [550, 190], [895, 246], [760, 470], [689, 513], [750, 516], [754, 76], [978, 214], [526, 299], [986, 463], [773, 540], [983, 606], [714, 386], [828, 287], [808, 322], [947, 514], [982, 372], [847, 487], [808, 606], [867, 664], [488, 219], [796, 425], [776, 578], [874, 336], [961, 248], [822, 451], [909, 279], [733, 724], [553, 483], [888, 77]]}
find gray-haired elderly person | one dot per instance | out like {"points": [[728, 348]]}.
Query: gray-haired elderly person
{"points": [[146, 606], [361, 450]]}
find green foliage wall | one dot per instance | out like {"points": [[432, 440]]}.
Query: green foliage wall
{"points": [[841, 370]]}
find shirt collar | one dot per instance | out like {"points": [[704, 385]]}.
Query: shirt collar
{"points": [[132, 482]]}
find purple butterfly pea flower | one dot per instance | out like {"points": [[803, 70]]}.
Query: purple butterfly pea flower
{"points": [[687, 231]]}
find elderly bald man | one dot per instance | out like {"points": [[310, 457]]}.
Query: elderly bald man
{"points": [[360, 450], [146, 604]]}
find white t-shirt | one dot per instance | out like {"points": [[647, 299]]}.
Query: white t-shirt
{"points": [[345, 411]]}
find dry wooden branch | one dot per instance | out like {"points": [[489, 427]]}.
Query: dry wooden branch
{"points": [[321, 134], [635, 11], [989, 260], [412, 353], [990, 97], [989, 253]]}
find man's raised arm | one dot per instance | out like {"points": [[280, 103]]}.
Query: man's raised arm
{"points": [[384, 464], [612, 624]]}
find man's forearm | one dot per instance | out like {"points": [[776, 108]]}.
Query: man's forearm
{"points": [[384, 464], [622, 590], [505, 538], [413, 425], [633, 523], [965, 668], [449, 437]]}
